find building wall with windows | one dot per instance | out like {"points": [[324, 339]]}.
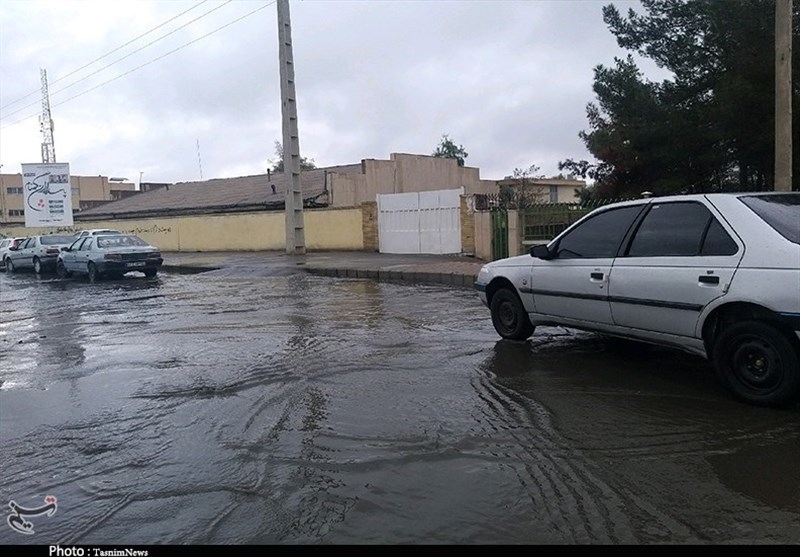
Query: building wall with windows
{"points": [[87, 192]]}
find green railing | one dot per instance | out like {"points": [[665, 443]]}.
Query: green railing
{"points": [[541, 223]]}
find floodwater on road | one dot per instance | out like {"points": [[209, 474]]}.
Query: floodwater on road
{"points": [[284, 408]]}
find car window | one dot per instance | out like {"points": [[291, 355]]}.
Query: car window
{"points": [[598, 236], [781, 212], [87, 244], [56, 239], [671, 229], [717, 241], [4, 243], [76, 245]]}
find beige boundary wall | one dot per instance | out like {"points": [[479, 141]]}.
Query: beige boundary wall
{"points": [[350, 229], [326, 229]]}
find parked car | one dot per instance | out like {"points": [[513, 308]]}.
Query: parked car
{"points": [[37, 252], [94, 232], [111, 255], [716, 275], [6, 244]]}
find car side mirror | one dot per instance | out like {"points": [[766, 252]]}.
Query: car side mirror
{"points": [[541, 252]]}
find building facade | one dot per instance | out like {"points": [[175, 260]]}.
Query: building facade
{"points": [[87, 192]]}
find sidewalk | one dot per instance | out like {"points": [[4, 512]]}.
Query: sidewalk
{"points": [[452, 270]]}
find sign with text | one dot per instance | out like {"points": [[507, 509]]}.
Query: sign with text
{"points": [[48, 194]]}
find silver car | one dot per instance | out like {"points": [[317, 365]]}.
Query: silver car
{"points": [[112, 255], [6, 245], [37, 252], [716, 275], [94, 232]]}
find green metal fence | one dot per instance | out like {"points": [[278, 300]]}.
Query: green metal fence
{"points": [[499, 233], [542, 222], [538, 222]]}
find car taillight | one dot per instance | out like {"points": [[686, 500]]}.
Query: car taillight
{"points": [[52, 251], [113, 257]]}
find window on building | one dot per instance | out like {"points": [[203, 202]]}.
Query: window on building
{"points": [[553, 194], [16, 213], [14, 191]]}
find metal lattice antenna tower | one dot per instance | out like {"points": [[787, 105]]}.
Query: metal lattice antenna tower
{"points": [[46, 124]]}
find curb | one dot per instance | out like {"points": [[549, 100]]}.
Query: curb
{"points": [[449, 279], [458, 280]]}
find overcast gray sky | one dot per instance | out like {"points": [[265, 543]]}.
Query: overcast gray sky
{"points": [[509, 80]]}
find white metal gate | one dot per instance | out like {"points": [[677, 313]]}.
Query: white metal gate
{"points": [[420, 222]]}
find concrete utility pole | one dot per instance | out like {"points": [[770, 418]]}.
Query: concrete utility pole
{"points": [[295, 231], [783, 95]]}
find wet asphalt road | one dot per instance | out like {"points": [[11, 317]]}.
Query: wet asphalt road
{"points": [[292, 409]]}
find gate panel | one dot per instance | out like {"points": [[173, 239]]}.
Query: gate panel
{"points": [[420, 222], [499, 234]]}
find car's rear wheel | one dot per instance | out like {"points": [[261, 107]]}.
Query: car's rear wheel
{"points": [[149, 273], [37, 266], [93, 274], [759, 363], [509, 317], [10, 265], [62, 270]]}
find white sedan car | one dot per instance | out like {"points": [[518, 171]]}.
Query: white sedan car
{"points": [[717, 275]]}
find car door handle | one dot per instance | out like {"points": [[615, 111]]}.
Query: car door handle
{"points": [[707, 279], [596, 276]]}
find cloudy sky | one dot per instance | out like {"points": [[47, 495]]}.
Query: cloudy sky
{"points": [[136, 86]]}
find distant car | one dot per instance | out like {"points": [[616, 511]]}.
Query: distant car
{"points": [[5, 247], [37, 252], [717, 275], [110, 255], [94, 232]]}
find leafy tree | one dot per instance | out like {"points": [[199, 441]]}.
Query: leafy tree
{"points": [[447, 149], [277, 162], [710, 127]]}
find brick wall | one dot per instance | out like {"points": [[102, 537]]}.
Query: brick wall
{"points": [[467, 225], [369, 225]]}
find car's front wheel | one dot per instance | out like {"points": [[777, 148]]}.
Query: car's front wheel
{"points": [[509, 317], [10, 265], [759, 363], [62, 270], [37, 266], [93, 274]]}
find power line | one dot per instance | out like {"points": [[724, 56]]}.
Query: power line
{"points": [[248, 14], [107, 53], [121, 59]]}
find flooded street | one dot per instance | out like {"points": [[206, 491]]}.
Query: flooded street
{"points": [[219, 408]]}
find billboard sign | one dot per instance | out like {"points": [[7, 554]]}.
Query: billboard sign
{"points": [[48, 194]]}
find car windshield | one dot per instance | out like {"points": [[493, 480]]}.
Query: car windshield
{"points": [[780, 211], [120, 241], [56, 239]]}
